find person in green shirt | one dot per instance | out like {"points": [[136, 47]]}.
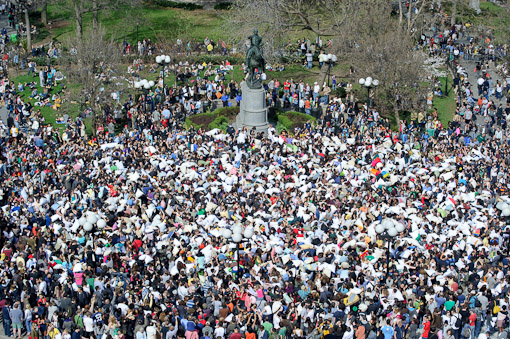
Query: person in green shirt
{"points": [[481, 138], [78, 320], [449, 305], [267, 326]]}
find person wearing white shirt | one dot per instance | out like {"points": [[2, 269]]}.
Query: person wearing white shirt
{"points": [[219, 332], [42, 287], [88, 324], [151, 331], [349, 333]]}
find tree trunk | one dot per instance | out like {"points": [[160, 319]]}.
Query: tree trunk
{"points": [[95, 24], [454, 11], [401, 13], [44, 12], [78, 13], [29, 33], [409, 14], [323, 73], [397, 115], [94, 124]]}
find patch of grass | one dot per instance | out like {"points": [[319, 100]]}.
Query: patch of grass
{"points": [[50, 115], [492, 17], [153, 22], [491, 8], [290, 120], [220, 118], [200, 120], [445, 105]]}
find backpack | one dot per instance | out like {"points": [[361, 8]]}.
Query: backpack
{"points": [[466, 332], [368, 328], [458, 322]]}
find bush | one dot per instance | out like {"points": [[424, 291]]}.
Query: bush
{"points": [[339, 92], [199, 120], [290, 120], [228, 112], [40, 61], [172, 4], [221, 122], [222, 6], [220, 118]]}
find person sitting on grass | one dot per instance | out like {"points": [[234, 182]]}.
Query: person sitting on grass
{"points": [[44, 94], [43, 102], [34, 93], [58, 101]]}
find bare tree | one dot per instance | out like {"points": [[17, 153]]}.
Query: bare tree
{"points": [[93, 61], [362, 31], [27, 6], [384, 50], [276, 19], [44, 12], [454, 12], [78, 16], [82, 7]]}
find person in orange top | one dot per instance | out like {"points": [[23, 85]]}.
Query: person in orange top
{"points": [[308, 106]]}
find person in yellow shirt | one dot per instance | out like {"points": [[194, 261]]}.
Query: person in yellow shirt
{"points": [[209, 48], [54, 333]]}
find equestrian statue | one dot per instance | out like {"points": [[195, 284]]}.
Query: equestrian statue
{"points": [[255, 61]]}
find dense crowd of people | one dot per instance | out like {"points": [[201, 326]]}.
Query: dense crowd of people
{"points": [[343, 228]]}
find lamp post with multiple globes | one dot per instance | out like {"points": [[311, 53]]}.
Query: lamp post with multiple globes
{"points": [[145, 85], [237, 235], [369, 83], [388, 230], [163, 60]]}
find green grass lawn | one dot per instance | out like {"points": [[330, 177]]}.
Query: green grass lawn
{"points": [[145, 21], [50, 115], [491, 8], [445, 105], [492, 17]]}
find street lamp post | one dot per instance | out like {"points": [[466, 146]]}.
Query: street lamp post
{"points": [[163, 60], [330, 60], [369, 83], [238, 235], [145, 85], [387, 230]]}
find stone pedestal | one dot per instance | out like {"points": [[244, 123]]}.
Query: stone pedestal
{"points": [[253, 112]]}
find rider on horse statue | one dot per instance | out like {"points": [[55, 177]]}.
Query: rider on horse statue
{"points": [[254, 60]]}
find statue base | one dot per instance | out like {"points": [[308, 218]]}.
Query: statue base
{"points": [[253, 112]]}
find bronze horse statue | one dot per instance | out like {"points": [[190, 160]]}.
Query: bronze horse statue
{"points": [[254, 61]]}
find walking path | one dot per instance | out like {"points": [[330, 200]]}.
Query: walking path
{"points": [[4, 23], [469, 67]]}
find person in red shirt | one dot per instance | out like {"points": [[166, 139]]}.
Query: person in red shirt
{"points": [[426, 327], [472, 321], [235, 335], [286, 86]]}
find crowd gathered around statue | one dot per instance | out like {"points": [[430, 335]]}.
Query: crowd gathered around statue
{"points": [[342, 228]]}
